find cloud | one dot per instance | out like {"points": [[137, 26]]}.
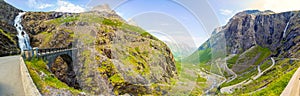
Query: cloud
{"points": [[43, 6], [64, 6], [275, 5], [38, 4], [226, 12], [164, 24]]}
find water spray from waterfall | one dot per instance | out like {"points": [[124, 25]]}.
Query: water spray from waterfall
{"points": [[23, 37]]}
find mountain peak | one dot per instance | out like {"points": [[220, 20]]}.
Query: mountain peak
{"points": [[251, 11], [101, 8], [255, 12]]}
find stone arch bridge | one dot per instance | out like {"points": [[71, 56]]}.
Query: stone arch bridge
{"points": [[50, 55]]}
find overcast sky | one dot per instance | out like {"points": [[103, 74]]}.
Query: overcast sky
{"points": [[187, 22]]}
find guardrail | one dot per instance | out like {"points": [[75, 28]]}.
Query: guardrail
{"points": [[48, 50], [36, 52]]}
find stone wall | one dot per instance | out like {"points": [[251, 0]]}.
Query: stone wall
{"points": [[29, 87]]}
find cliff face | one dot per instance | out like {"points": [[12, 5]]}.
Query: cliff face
{"points": [[8, 38], [113, 57], [247, 42], [277, 31], [253, 36]]}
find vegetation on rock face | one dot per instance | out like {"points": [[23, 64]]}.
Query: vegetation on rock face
{"points": [[8, 33], [253, 38], [232, 61], [273, 81], [64, 20], [245, 64], [251, 58], [8, 44], [46, 81], [9, 36], [125, 58]]}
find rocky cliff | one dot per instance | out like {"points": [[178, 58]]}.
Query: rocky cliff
{"points": [[8, 38], [246, 43], [113, 57], [277, 31]]}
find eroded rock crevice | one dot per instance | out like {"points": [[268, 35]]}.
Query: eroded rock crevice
{"points": [[63, 70]]}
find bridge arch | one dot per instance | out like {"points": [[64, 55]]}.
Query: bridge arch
{"points": [[62, 68], [65, 58], [60, 62]]}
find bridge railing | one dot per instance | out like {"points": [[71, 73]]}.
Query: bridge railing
{"points": [[49, 50], [39, 52]]}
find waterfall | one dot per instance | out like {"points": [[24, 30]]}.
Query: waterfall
{"points": [[285, 29], [23, 37]]}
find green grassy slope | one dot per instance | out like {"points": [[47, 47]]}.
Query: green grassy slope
{"points": [[252, 57], [43, 78], [273, 80]]}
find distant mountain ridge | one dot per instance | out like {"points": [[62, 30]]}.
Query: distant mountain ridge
{"points": [[264, 28], [249, 40], [257, 28]]}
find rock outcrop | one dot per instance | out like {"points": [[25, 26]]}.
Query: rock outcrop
{"points": [[113, 57], [8, 38], [277, 31], [269, 33]]}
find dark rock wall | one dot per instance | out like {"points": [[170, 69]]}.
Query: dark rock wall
{"points": [[264, 29], [8, 38]]}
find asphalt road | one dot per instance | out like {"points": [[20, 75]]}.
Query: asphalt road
{"points": [[230, 89], [10, 76]]}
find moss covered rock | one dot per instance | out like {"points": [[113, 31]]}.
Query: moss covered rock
{"points": [[8, 38], [113, 57]]}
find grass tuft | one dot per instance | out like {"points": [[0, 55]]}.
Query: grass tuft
{"points": [[43, 78]]}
